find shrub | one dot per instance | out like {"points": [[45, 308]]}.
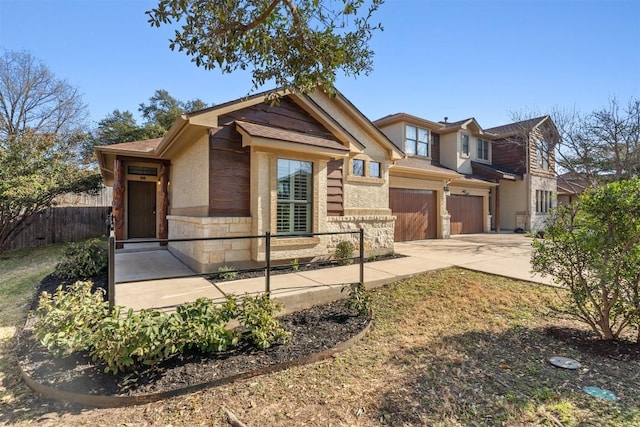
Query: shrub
{"points": [[257, 316], [359, 299], [203, 325], [344, 252], [294, 264], [227, 273], [592, 247], [83, 260], [78, 320], [67, 319], [139, 338]]}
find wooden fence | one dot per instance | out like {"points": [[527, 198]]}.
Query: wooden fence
{"points": [[63, 224]]}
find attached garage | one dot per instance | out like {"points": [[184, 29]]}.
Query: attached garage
{"points": [[415, 212], [466, 214]]}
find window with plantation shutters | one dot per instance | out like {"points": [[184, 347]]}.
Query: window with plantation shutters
{"points": [[295, 196]]}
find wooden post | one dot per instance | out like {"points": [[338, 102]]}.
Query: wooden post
{"points": [[163, 229], [118, 200]]}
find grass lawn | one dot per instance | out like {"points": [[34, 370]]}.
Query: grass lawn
{"points": [[449, 348], [20, 272]]}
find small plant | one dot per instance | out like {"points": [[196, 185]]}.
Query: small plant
{"points": [[372, 257], [257, 316], [203, 324], [227, 273], [67, 319], [359, 299], [294, 264], [83, 260], [124, 342], [344, 252]]}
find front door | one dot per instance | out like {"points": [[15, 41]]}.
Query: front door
{"points": [[142, 209]]}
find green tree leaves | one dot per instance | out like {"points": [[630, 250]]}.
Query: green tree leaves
{"points": [[296, 44], [593, 248]]}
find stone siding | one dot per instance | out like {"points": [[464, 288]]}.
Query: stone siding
{"points": [[208, 255], [378, 232]]}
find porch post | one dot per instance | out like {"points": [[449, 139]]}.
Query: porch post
{"points": [[497, 211], [118, 201], [163, 229]]}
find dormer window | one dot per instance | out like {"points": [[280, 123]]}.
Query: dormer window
{"points": [[416, 141], [465, 144], [483, 149]]}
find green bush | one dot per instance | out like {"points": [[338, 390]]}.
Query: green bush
{"points": [[257, 317], [344, 252], [592, 248], [203, 325], [83, 260], [227, 273], [359, 299], [78, 320], [128, 341], [67, 319]]}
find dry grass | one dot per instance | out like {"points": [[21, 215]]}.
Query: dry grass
{"points": [[449, 348], [20, 273]]}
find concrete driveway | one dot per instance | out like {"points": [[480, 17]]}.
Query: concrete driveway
{"points": [[501, 254]]}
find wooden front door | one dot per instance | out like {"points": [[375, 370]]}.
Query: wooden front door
{"points": [[141, 202], [415, 212], [466, 214]]}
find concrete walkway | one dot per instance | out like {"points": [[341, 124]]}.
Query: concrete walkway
{"points": [[500, 254]]}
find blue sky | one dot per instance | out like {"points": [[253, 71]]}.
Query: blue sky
{"points": [[453, 58]]}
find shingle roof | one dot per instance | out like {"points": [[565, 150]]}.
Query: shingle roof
{"points": [[145, 146], [516, 127], [425, 165], [279, 134]]}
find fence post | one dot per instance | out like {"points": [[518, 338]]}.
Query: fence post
{"points": [[362, 256], [112, 271], [267, 255]]}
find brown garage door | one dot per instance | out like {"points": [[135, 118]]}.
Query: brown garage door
{"points": [[416, 214], [466, 214]]}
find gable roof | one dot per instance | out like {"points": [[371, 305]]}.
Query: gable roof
{"points": [[520, 127], [280, 134]]}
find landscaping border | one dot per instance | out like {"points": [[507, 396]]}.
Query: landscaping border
{"points": [[103, 401]]}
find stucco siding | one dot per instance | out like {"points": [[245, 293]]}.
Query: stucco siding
{"points": [[513, 203], [189, 179]]}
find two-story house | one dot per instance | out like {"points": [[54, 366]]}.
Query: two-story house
{"points": [[458, 178], [433, 190], [524, 165]]}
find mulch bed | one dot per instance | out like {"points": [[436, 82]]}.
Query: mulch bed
{"points": [[313, 330], [587, 342]]}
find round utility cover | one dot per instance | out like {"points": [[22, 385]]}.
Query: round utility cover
{"points": [[564, 362], [600, 392]]}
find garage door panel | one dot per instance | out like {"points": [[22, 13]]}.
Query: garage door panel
{"points": [[466, 214], [415, 212]]}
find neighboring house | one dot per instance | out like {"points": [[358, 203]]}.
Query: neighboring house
{"points": [[433, 190], [459, 178], [525, 151], [570, 186], [308, 164]]}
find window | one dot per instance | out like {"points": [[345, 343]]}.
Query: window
{"points": [[544, 201], [374, 170], [465, 144], [358, 167], [295, 196], [542, 153], [483, 149], [416, 141], [142, 170]]}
